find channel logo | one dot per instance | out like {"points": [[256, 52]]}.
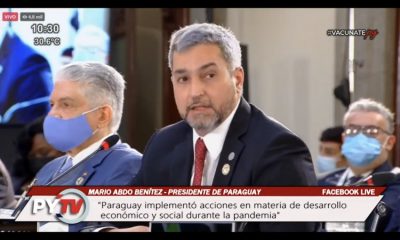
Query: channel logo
{"points": [[70, 199]]}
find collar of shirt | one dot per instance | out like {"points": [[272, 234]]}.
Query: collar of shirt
{"points": [[87, 151], [214, 142], [348, 173], [351, 173]]}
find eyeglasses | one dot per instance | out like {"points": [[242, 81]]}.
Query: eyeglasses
{"points": [[370, 130]]}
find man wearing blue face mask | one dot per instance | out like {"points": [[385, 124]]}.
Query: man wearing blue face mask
{"points": [[368, 139], [330, 157], [86, 109]]}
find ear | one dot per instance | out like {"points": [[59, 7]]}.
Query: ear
{"points": [[390, 142], [104, 117], [343, 137], [238, 74]]}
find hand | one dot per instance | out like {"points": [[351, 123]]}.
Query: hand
{"points": [[131, 229]]}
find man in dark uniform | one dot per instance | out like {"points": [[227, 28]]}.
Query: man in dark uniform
{"points": [[368, 140]]}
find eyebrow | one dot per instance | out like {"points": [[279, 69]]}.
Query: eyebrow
{"points": [[363, 126], [65, 99], [205, 66]]}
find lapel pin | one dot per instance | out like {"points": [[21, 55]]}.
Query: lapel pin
{"points": [[225, 169], [79, 181], [231, 156]]}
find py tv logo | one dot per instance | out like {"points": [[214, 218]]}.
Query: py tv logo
{"points": [[70, 206]]}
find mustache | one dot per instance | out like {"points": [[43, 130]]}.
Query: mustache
{"points": [[198, 103]]}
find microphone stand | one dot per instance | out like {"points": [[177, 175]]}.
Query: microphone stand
{"points": [[22, 201], [72, 168]]}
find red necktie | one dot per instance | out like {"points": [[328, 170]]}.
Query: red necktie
{"points": [[200, 156]]}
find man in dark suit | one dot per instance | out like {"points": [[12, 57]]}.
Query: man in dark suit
{"points": [[86, 109], [368, 139], [393, 224], [223, 140], [25, 76]]}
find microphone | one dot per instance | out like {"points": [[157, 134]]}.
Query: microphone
{"points": [[105, 145], [381, 211], [109, 142], [378, 179]]}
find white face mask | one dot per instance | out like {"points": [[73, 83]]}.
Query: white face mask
{"points": [[326, 164]]}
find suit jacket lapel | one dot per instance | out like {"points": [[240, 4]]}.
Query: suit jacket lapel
{"points": [[90, 167], [81, 173], [233, 146], [47, 177], [182, 162]]}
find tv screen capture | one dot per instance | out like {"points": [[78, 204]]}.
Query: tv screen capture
{"points": [[199, 120]]}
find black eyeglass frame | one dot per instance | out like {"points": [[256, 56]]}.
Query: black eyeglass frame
{"points": [[368, 130]]}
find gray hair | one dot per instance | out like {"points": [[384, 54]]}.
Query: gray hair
{"points": [[369, 105], [102, 84], [207, 33]]}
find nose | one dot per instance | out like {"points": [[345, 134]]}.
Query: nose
{"points": [[197, 87], [55, 112]]}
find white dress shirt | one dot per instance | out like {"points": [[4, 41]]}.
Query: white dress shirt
{"points": [[347, 174], [214, 142]]}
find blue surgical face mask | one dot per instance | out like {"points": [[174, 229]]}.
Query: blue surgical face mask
{"points": [[66, 134], [361, 150], [326, 164]]}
